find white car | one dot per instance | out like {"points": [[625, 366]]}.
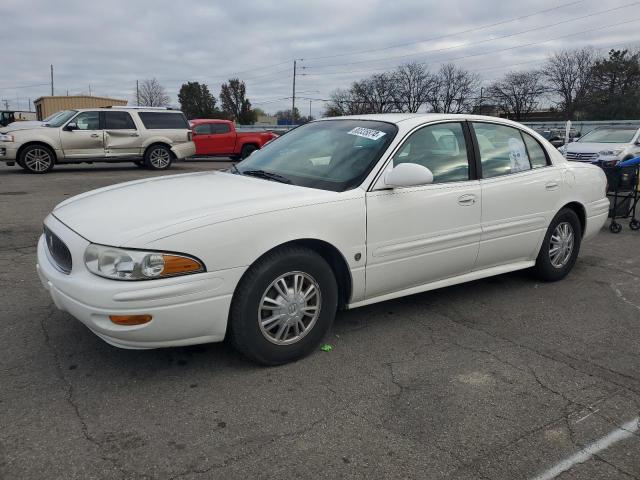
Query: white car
{"points": [[605, 145], [337, 213]]}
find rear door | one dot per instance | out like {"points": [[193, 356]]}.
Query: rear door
{"points": [[121, 136], [521, 191], [86, 140], [419, 235], [223, 139]]}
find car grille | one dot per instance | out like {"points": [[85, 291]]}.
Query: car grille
{"points": [[58, 251], [582, 157]]}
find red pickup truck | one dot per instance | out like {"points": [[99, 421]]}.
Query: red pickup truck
{"points": [[220, 138]]}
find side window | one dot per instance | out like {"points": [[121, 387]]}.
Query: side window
{"points": [[536, 153], [118, 121], [163, 120], [88, 121], [441, 148], [220, 128], [502, 150], [202, 129]]}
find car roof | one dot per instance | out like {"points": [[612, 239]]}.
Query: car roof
{"points": [[209, 120], [127, 109], [414, 119]]}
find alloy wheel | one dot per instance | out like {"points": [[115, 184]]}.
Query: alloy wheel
{"points": [[289, 308], [561, 245], [159, 158], [38, 160]]}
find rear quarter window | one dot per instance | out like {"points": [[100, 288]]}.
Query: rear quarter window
{"points": [[163, 120]]}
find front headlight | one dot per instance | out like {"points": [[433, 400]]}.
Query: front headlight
{"points": [[121, 264], [610, 153], [6, 138]]}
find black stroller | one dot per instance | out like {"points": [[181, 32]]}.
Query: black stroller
{"points": [[622, 181]]}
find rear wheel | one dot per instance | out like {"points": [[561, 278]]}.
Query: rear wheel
{"points": [[247, 150], [560, 247], [158, 157], [37, 159], [283, 306]]}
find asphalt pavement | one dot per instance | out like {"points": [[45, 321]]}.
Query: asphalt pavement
{"points": [[503, 378]]}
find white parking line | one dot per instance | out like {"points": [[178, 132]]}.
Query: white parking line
{"points": [[625, 431]]}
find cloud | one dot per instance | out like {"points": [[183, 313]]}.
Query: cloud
{"points": [[107, 46]]}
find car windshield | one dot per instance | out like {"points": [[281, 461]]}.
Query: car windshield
{"points": [[331, 155], [51, 117], [609, 135], [61, 118]]}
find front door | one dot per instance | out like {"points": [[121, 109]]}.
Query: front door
{"points": [[121, 137], [422, 234], [521, 190], [86, 140], [223, 140]]}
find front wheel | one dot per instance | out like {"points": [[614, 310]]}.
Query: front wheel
{"points": [[37, 159], [560, 247], [158, 157], [283, 306]]}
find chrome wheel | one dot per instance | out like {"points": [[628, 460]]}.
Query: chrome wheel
{"points": [[289, 308], [38, 160], [561, 245], [160, 158]]}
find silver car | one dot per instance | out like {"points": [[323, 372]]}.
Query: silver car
{"points": [[149, 137], [605, 145]]}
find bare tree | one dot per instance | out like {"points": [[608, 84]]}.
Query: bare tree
{"points": [[517, 93], [569, 74], [454, 89], [413, 87], [375, 94], [152, 94]]}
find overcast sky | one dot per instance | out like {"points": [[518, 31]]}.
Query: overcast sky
{"points": [[107, 45]]}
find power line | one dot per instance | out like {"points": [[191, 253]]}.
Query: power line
{"points": [[482, 41], [452, 59], [475, 29]]}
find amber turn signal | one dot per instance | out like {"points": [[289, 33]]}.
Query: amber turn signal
{"points": [[130, 319], [174, 264]]}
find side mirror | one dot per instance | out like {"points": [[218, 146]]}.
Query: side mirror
{"points": [[408, 175], [71, 126]]}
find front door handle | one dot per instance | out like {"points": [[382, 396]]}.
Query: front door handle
{"points": [[552, 185], [94, 135], [466, 200]]}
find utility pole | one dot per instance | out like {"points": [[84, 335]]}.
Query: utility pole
{"points": [[293, 98], [52, 80], [6, 104], [89, 89], [137, 94]]}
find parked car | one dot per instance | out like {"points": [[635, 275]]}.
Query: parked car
{"points": [[605, 145], [149, 137], [220, 138], [557, 137], [265, 253]]}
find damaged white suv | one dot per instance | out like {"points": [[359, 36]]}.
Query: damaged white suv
{"points": [[149, 137]]}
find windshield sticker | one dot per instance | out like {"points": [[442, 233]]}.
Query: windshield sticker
{"points": [[367, 133]]}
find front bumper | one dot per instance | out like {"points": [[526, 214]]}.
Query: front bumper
{"points": [[186, 310], [8, 152]]}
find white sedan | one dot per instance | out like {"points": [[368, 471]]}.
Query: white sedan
{"points": [[338, 213]]}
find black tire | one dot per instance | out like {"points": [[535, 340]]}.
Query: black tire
{"points": [[634, 224], [37, 159], [247, 150], [139, 163], [158, 157], [245, 331], [615, 227], [544, 268]]}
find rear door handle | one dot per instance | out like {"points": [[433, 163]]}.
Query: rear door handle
{"points": [[552, 185], [94, 135], [466, 200], [134, 134]]}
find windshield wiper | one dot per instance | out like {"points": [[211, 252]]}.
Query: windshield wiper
{"points": [[235, 170], [266, 175]]}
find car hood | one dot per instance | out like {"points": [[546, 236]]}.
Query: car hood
{"points": [[135, 213], [586, 147], [21, 128]]}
